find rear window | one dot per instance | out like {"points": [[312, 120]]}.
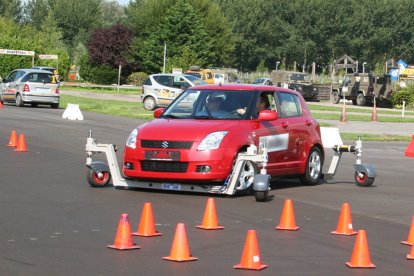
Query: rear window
{"points": [[147, 82], [38, 77]]}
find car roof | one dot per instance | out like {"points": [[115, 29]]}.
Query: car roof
{"points": [[33, 71], [169, 74], [43, 67], [238, 86]]}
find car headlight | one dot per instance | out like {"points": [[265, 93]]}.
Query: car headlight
{"points": [[212, 141], [132, 139]]}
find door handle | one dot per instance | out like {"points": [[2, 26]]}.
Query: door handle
{"points": [[308, 122]]}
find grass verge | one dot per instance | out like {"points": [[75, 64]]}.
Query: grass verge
{"points": [[136, 110]]}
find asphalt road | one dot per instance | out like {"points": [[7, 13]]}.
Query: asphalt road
{"points": [[53, 223]]}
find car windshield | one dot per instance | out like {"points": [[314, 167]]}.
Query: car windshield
{"points": [[212, 104], [195, 80], [299, 77]]}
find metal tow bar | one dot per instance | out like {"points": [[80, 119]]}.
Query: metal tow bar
{"points": [[100, 173], [364, 173]]}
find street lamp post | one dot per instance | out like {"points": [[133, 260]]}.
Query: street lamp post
{"points": [[363, 67], [277, 64]]}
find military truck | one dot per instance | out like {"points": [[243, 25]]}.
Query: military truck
{"points": [[297, 81], [361, 89]]}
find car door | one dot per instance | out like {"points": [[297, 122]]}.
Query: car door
{"points": [[286, 144], [296, 125], [9, 85], [166, 92], [274, 136]]}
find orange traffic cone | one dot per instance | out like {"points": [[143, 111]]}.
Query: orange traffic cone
{"points": [[146, 227], [410, 256], [210, 221], [374, 113], [343, 114], [123, 238], [344, 226], [21, 144], [180, 252], [409, 151], [287, 221], [360, 255], [251, 256], [410, 239], [13, 139]]}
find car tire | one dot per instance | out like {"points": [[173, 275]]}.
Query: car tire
{"points": [[54, 105], [335, 97], [261, 196], [363, 180], [98, 181], [313, 169], [361, 100], [149, 103], [19, 100]]}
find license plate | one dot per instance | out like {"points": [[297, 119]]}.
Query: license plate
{"points": [[42, 90], [162, 155], [171, 187]]}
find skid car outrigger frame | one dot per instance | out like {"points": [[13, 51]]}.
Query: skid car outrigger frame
{"points": [[100, 173]]}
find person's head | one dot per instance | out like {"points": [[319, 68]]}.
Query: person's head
{"points": [[263, 103], [213, 103]]}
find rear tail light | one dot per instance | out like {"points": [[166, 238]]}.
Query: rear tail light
{"points": [[57, 90], [26, 88]]}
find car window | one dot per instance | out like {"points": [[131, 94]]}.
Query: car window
{"points": [[11, 77], [164, 80], [19, 74], [38, 78], [147, 81], [180, 82], [289, 105], [195, 80], [212, 104]]}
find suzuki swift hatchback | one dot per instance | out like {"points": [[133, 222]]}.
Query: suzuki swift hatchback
{"points": [[197, 138]]}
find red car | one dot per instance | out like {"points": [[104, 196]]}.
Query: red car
{"points": [[197, 138]]}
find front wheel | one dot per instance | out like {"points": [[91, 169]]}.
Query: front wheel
{"points": [[149, 103], [245, 180], [313, 168], [361, 100], [99, 180], [363, 180], [335, 97]]}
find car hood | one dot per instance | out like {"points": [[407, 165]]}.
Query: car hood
{"points": [[182, 129]]}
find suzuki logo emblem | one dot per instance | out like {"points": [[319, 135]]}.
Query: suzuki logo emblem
{"points": [[164, 144]]}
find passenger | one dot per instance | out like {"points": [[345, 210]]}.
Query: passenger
{"points": [[263, 103]]}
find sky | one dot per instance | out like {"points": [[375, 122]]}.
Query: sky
{"points": [[123, 2]]}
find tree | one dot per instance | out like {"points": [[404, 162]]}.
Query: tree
{"points": [[11, 9], [76, 18], [35, 12], [112, 13], [180, 29], [144, 15], [110, 46]]}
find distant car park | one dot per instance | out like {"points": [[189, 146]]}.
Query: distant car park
{"points": [[30, 86]]}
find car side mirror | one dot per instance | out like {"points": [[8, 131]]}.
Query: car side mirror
{"points": [[268, 115], [158, 112]]}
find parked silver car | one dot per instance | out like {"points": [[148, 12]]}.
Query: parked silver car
{"points": [[30, 86], [159, 90]]}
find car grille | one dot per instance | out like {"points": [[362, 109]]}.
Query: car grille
{"points": [[162, 166], [163, 144]]}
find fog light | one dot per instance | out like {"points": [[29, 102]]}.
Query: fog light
{"points": [[203, 169], [129, 166]]}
